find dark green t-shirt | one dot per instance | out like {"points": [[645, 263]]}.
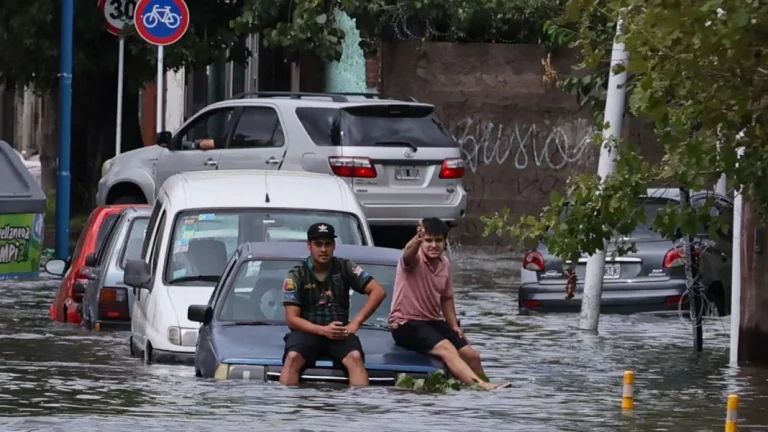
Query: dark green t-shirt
{"points": [[324, 301]]}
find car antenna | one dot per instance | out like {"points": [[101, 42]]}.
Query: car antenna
{"points": [[266, 198]]}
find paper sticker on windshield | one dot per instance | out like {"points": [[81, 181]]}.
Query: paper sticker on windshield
{"points": [[181, 248], [189, 220], [179, 273], [253, 268], [206, 217]]}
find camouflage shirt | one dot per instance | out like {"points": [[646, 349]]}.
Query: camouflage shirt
{"points": [[324, 301]]}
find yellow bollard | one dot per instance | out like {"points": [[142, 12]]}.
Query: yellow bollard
{"points": [[628, 394], [732, 414]]}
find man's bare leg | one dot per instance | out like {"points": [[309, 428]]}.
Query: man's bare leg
{"points": [[472, 358], [458, 367], [291, 372], [358, 376]]}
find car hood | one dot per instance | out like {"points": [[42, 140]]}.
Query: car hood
{"points": [[183, 296], [264, 345], [146, 154]]}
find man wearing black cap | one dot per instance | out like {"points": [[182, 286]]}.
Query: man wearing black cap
{"points": [[316, 300]]}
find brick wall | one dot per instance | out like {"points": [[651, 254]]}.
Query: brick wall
{"points": [[373, 71]]}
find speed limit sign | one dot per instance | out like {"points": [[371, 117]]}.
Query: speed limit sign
{"points": [[117, 13]]}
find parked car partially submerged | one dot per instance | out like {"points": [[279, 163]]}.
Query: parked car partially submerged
{"points": [[243, 324], [107, 300], [651, 280]]}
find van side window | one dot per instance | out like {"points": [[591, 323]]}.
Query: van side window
{"points": [[150, 229], [157, 243]]}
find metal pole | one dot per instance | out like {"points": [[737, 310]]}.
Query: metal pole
{"points": [[691, 273], [738, 206], [120, 67], [159, 117], [63, 179], [614, 114]]}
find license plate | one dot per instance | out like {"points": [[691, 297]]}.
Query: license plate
{"points": [[612, 271], [407, 173]]}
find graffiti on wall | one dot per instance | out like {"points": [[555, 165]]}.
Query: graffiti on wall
{"points": [[549, 146], [518, 165]]}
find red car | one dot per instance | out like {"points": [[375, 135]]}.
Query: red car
{"points": [[65, 307]]}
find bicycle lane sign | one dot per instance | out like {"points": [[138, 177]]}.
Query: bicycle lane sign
{"points": [[161, 22]]}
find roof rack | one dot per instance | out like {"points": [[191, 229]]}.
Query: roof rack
{"points": [[336, 97]]}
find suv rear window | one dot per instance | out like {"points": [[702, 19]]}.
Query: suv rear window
{"points": [[376, 125]]}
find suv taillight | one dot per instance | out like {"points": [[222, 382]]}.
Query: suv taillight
{"points": [[452, 168], [113, 303], [352, 166]]}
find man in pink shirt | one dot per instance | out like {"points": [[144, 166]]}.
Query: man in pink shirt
{"points": [[423, 313]]}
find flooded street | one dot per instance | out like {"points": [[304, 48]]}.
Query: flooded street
{"points": [[57, 377]]}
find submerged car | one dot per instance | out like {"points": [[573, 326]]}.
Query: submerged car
{"points": [[243, 324], [651, 280], [107, 300]]}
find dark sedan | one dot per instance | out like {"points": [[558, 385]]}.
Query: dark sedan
{"points": [[243, 325], [651, 280]]}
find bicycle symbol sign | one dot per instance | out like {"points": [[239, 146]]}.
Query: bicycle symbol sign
{"points": [[161, 22]]}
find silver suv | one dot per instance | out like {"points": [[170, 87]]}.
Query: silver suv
{"points": [[402, 162]]}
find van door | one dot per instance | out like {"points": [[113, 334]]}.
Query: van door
{"points": [[184, 152], [257, 141], [143, 307]]}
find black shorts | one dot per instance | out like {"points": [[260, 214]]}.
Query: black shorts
{"points": [[312, 346], [422, 336]]}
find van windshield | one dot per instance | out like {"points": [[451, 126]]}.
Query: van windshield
{"points": [[204, 240]]}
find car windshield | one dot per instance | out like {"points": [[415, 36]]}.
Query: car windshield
{"points": [[203, 241], [256, 294], [134, 240]]}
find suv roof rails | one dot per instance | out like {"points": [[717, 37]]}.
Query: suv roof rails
{"points": [[336, 97]]}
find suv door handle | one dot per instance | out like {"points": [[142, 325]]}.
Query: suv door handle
{"points": [[273, 161], [210, 162]]}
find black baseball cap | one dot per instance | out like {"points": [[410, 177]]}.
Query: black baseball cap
{"points": [[321, 230]]}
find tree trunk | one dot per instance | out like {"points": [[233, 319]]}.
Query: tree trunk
{"points": [[753, 327]]}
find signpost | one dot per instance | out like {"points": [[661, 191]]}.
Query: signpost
{"points": [[161, 23], [118, 14]]}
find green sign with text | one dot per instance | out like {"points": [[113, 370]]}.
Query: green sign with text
{"points": [[21, 243]]}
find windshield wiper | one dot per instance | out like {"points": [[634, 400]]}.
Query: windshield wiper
{"points": [[397, 144], [198, 278], [247, 323]]}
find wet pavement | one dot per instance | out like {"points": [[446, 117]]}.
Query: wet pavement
{"points": [[58, 377]]}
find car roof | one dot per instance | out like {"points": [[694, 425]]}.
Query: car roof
{"points": [[318, 100], [259, 188], [298, 251]]}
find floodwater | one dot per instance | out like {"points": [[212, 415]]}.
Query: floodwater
{"points": [[58, 377]]}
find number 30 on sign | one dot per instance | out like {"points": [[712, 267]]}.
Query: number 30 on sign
{"points": [[118, 13]]}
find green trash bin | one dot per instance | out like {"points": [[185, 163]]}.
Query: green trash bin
{"points": [[22, 212]]}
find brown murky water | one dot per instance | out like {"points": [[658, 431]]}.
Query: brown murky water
{"points": [[57, 377]]}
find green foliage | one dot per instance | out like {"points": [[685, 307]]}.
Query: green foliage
{"points": [[436, 382], [699, 71]]}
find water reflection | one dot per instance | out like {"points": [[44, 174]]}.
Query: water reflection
{"points": [[57, 376]]}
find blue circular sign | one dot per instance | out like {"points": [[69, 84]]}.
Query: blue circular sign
{"points": [[161, 22]]}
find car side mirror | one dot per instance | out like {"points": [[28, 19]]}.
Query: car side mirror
{"points": [[90, 260], [163, 139], [56, 267], [137, 274], [200, 313]]}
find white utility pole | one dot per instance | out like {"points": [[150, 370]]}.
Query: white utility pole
{"points": [[614, 114], [738, 206]]}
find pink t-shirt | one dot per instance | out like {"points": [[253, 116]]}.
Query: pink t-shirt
{"points": [[420, 290]]}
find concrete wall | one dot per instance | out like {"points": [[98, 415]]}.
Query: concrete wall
{"points": [[520, 137], [349, 73]]}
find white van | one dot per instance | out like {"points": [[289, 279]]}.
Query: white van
{"points": [[198, 221]]}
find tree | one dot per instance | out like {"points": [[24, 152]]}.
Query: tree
{"points": [[699, 71]]}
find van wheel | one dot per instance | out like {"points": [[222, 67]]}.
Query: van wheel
{"points": [[147, 353]]}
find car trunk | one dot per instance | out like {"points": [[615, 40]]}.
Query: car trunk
{"points": [[395, 153]]}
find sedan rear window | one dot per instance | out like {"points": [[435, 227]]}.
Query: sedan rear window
{"points": [[376, 125]]}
